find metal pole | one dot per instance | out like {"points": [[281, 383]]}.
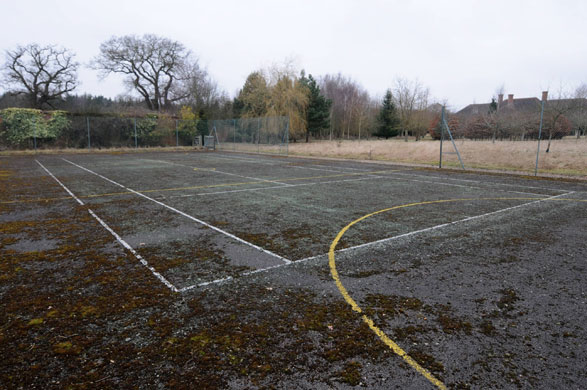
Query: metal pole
{"points": [[454, 145], [287, 138], [441, 136], [234, 134], [88, 126], [258, 133], [539, 137], [176, 134], [35, 134], [136, 143]]}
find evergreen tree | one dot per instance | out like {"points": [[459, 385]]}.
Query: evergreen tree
{"points": [[202, 126], [387, 119], [492, 106], [237, 107], [318, 112]]}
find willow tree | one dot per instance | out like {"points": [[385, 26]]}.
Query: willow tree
{"points": [[289, 97], [254, 96]]}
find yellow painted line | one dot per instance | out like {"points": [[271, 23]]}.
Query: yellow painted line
{"points": [[386, 339], [197, 187], [204, 169]]}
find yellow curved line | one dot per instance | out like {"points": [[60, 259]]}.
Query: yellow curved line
{"points": [[388, 341]]}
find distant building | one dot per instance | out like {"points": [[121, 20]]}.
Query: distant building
{"points": [[520, 117], [521, 105]]}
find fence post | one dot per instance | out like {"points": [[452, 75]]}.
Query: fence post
{"points": [[258, 133], [539, 137], [287, 138], [441, 136], [234, 135], [176, 134], [135, 122], [88, 126], [35, 134]]}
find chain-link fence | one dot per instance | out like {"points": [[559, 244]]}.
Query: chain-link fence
{"points": [[258, 135], [530, 137], [34, 129]]}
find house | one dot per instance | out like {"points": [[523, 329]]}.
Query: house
{"points": [[523, 105], [567, 115]]}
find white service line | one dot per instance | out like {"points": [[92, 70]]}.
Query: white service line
{"points": [[242, 159], [118, 238], [321, 169], [273, 187], [420, 181], [464, 186], [438, 226], [392, 172], [352, 169], [383, 240], [203, 284], [286, 261], [482, 182], [217, 171]]}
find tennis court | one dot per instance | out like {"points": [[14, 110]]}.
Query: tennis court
{"points": [[233, 270]]}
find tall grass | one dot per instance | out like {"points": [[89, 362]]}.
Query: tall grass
{"points": [[566, 157]]}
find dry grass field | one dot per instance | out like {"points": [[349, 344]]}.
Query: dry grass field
{"points": [[566, 157]]}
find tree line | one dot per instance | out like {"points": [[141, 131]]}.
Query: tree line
{"points": [[163, 76]]}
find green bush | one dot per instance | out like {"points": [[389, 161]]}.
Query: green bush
{"points": [[19, 126]]}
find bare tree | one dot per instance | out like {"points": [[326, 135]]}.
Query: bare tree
{"points": [[579, 116], [350, 104], [555, 116], [410, 97], [204, 94], [41, 73], [158, 68]]}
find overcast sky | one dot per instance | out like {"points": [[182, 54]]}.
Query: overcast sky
{"points": [[462, 50]]}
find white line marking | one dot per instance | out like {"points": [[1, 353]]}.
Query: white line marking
{"points": [[421, 181], [228, 278], [304, 260], [437, 226], [273, 187], [217, 171], [286, 261], [118, 238], [242, 159], [464, 186], [352, 169], [482, 182]]}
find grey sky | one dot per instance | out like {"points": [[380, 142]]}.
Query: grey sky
{"points": [[462, 50]]}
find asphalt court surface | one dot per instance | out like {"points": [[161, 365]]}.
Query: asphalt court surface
{"points": [[468, 273]]}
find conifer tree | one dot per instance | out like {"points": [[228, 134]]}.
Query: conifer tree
{"points": [[388, 120], [318, 113]]}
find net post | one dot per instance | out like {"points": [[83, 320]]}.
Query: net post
{"points": [[176, 134], [258, 134], [234, 135], [88, 127], [454, 145], [441, 136], [287, 137], [35, 134], [135, 126], [539, 137]]}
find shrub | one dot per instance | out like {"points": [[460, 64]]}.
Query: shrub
{"points": [[20, 126]]}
